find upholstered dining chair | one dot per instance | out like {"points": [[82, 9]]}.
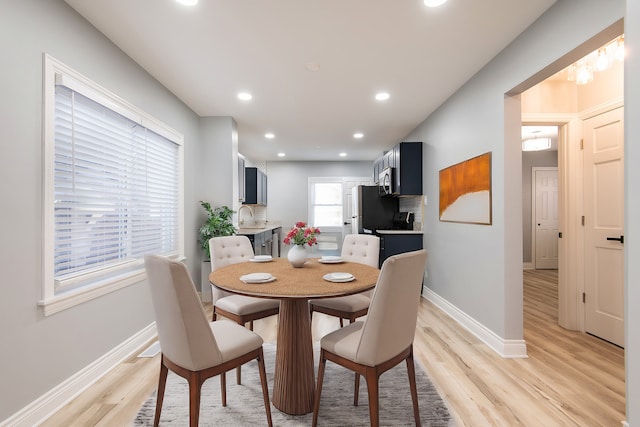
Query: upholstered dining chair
{"points": [[191, 346], [385, 338], [362, 248], [226, 250]]}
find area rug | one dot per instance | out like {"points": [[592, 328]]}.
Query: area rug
{"points": [[245, 407]]}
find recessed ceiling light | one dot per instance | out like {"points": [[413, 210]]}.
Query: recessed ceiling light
{"points": [[269, 135], [382, 96], [343, 154], [434, 3], [281, 154], [245, 96], [358, 135], [188, 2]]}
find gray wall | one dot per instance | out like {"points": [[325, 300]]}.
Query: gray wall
{"points": [[530, 160], [478, 268], [288, 184], [40, 352], [480, 118]]}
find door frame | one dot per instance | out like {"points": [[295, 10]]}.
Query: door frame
{"points": [[570, 268], [571, 309], [534, 169]]}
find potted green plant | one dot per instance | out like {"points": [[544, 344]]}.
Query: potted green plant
{"points": [[219, 223]]}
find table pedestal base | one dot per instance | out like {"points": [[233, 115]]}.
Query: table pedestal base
{"points": [[294, 381]]}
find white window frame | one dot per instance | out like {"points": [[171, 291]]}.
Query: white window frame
{"points": [[311, 204], [52, 301]]}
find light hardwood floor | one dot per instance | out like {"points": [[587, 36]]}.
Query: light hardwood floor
{"points": [[569, 378]]}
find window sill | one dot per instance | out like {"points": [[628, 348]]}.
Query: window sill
{"points": [[78, 296]]}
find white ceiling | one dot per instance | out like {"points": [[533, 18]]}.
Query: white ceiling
{"points": [[208, 53]]}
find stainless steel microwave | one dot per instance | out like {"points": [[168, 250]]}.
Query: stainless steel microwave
{"points": [[385, 181]]}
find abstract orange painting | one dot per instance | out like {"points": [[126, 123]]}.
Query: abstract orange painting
{"points": [[465, 191]]}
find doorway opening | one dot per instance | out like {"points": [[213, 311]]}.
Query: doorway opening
{"points": [[548, 103]]}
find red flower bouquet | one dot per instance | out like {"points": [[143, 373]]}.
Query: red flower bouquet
{"points": [[301, 235]]}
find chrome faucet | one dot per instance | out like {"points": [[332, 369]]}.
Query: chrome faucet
{"points": [[240, 219]]}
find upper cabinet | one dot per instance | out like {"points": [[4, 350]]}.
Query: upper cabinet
{"points": [[255, 187], [408, 169], [406, 160]]}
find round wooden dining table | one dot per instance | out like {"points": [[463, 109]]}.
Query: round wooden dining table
{"points": [[294, 380]]}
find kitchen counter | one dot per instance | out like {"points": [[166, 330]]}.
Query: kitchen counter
{"points": [[399, 231], [249, 231]]}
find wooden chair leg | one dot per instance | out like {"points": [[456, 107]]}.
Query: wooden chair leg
{"points": [[356, 389], [223, 388], [162, 382], [195, 385], [265, 389], [411, 369], [239, 368], [372, 389], [341, 323], [316, 400]]}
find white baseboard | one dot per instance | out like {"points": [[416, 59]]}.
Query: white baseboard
{"points": [[45, 406], [528, 266], [511, 349]]}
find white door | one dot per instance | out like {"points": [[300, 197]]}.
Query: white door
{"points": [[330, 207], [604, 218], [545, 217]]}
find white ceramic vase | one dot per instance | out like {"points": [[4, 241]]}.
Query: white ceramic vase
{"points": [[297, 255]]}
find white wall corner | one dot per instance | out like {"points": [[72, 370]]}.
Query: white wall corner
{"points": [[46, 405], [509, 349]]}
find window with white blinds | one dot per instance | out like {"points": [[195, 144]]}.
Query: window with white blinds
{"points": [[116, 188]]}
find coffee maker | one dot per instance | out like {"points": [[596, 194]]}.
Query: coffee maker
{"points": [[403, 220]]}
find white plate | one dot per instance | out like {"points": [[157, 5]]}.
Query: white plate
{"points": [[330, 259], [261, 258], [257, 278], [338, 277]]}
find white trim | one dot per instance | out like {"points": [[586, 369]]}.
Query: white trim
{"points": [[570, 253], [69, 299], [601, 108], [46, 405], [528, 266], [509, 349]]}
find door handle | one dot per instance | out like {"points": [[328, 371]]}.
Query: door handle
{"points": [[617, 239], [347, 222]]}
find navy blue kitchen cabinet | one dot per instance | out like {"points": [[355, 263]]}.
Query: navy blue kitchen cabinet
{"points": [[255, 187], [393, 244]]}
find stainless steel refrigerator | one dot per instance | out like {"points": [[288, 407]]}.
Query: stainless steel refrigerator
{"points": [[370, 211]]}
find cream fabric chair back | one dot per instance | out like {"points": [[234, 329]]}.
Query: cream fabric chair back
{"points": [[362, 248], [226, 250], [393, 311], [183, 329]]}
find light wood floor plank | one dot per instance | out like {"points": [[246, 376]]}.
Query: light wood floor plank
{"points": [[569, 378]]}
